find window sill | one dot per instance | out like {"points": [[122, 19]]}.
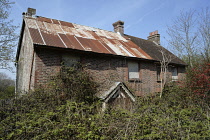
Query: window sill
{"points": [[136, 80]]}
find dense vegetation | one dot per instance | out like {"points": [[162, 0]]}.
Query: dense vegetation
{"points": [[69, 110], [7, 87]]}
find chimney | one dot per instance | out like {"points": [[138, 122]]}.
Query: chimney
{"points": [[119, 27], [31, 12], [154, 37]]}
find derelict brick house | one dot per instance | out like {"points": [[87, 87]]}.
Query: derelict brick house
{"points": [[112, 58]]}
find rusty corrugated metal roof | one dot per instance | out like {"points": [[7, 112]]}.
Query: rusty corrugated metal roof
{"points": [[51, 32]]}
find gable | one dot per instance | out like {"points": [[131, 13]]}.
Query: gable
{"points": [[117, 90]]}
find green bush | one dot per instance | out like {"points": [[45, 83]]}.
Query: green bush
{"points": [[57, 113], [7, 93]]}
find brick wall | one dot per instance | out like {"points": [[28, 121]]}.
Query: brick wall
{"points": [[48, 63], [107, 70], [181, 73], [103, 69]]}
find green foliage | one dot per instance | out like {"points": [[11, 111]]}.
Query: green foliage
{"points": [[7, 87], [9, 92], [55, 114], [74, 83]]}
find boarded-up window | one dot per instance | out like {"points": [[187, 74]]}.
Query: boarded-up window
{"points": [[133, 69], [174, 74], [158, 73], [70, 60]]}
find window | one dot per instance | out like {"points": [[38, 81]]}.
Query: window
{"points": [[133, 69], [174, 73], [70, 60], [158, 73]]}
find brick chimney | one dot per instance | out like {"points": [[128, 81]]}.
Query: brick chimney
{"points": [[30, 12], [119, 27], [154, 37]]}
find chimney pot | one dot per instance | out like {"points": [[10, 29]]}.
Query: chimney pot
{"points": [[119, 27]]}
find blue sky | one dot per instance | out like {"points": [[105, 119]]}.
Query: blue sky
{"points": [[140, 16]]}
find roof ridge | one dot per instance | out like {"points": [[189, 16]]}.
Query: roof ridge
{"points": [[136, 37], [76, 24]]}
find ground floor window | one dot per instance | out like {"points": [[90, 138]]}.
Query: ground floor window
{"points": [[70, 60], [133, 70], [174, 73], [158, 73]]}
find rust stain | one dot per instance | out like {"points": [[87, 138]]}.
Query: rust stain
{"points": [[52, 40], [36, 36], [102, 48], [67, 30], [94, 35], [88, 44], [43, 19], [69, 35], [130, 43], [55, 21], [63, 23], [74, 43]]}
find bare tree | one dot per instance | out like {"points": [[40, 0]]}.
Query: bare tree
{"points": [[190, 36], [204, 30], [7, 35], [166, 59], [183, 35]]}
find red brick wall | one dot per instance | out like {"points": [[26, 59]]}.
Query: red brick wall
{"points": [[48, 63], [104, 69], [181, 73]]}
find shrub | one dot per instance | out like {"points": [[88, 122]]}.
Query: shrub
{"points": [[57, 113], [74, 83], [199, 80]]}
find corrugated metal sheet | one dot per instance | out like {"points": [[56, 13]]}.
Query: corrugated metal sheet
{"points": [[35, 36], [62, 34]]}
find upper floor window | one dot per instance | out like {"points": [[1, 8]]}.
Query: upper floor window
{"points": [[133, 70]]}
